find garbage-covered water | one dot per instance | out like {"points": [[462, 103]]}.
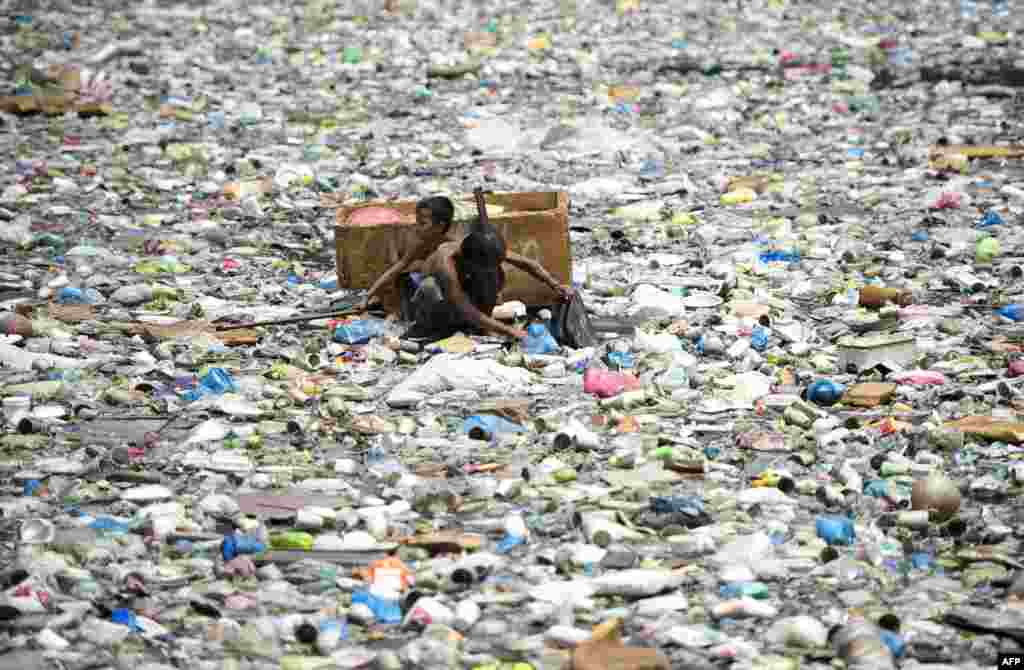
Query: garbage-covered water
{"points": [[794, 443]]}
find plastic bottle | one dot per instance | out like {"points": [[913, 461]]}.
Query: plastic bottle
{"points": [[330, 634], [538, 340], [755, 590], [1014, 312], [516, 532], [430, 610], [987, 250], [637, 583], [825, 392], [676, 377], [381, 461], [15, 324], [520, 464], [360, 331], [292, 540], [132, 295], [237, 545], [621, 360], [486, 426], [467, 613], [70, 295], [662, 343], [575, 433], [16, 407]]}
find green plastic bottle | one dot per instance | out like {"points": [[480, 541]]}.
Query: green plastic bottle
{"points": [[292, 540], [988, 249]]}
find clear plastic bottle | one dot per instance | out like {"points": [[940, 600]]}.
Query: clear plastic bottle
{"points": [[520, 463]]}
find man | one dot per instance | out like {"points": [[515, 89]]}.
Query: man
{"points": [[461, 285], [433, 221]]}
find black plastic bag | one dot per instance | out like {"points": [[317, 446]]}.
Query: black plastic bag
{"points": [[571, 326]]}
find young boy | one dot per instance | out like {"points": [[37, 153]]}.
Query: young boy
{"points": [[433, 221]]}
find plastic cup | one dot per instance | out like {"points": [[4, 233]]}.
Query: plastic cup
{"points": [[16, 407]]}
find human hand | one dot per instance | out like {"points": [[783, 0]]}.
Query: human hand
{"points": [[518, 333]]}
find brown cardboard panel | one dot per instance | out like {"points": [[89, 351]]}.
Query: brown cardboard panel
{"points": [[535, 225]]}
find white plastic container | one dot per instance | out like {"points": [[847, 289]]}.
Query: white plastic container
{"points": [[16, 408], [867, 352]]}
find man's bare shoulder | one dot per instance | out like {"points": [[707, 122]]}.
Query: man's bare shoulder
{"points": [[448, 247]]}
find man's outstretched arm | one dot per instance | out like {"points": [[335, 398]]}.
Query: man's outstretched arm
{"points": [[539, 272]]}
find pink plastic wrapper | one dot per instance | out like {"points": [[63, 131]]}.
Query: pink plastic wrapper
{"points": [[1016, 368], [921, 378], [607, 384], [240, 566], [911, 312], [948, 200]]}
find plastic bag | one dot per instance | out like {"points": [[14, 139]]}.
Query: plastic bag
{"points": [[446, 372], [571, 326]]}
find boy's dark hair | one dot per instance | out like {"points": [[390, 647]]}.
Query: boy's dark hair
{"points": [[441, 209], [479, 265]]}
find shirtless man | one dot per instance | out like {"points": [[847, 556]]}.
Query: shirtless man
{"points": [[433, 221], [462, 284]]}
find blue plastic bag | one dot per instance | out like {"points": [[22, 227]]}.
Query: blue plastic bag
{"points": [[759, 339], [622, 360], [110, 526], [538, 340], [778, 255], [508, 543], [835, 530], [689, 505], [385, 610], [1013, 312], [991, 218], [217, 381], [895, 643], [126, 617]]}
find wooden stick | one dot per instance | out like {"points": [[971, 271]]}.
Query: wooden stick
{"points": [[294, 319], [481, 205]]}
